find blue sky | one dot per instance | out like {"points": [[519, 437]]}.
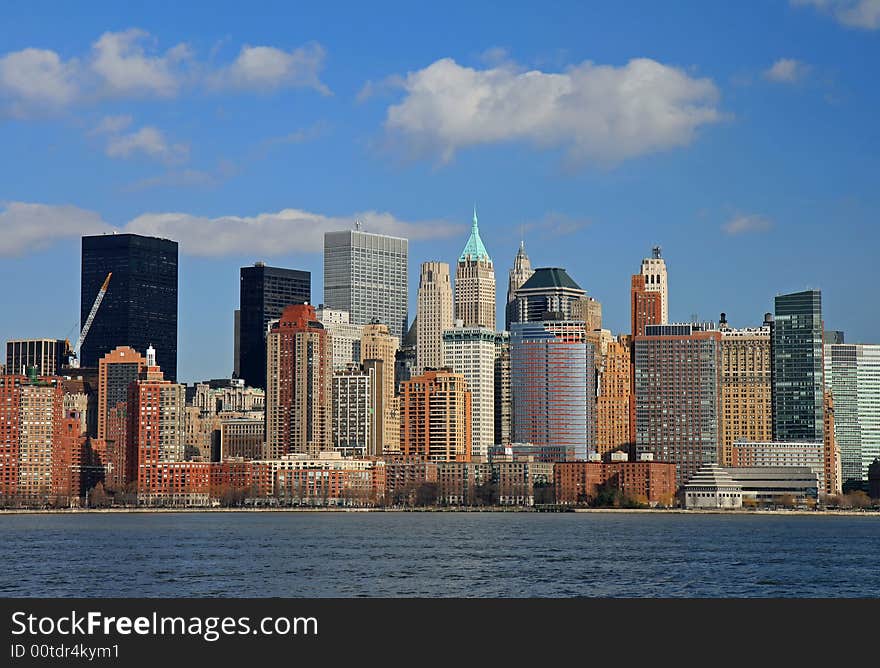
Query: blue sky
{"points": [[743, 138]]}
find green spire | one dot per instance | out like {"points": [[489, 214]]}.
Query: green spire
{"points": [[474, 246]]}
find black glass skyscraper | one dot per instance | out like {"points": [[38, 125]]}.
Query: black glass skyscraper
{"points": [[140, 307], [265, 291], [797, 367]]}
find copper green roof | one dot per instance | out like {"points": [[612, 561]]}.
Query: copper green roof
{"points": [[474, 246], [550, 277]]}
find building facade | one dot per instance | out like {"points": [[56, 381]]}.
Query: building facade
{"points": [[435, 417], [746, 405], [264, 292], [346, 336], [852, 373], [47, 356], [354, 400], [549, 290], [519, 274], [434, 314], [614, 397], [366, 275], [475, 283], [471, 352], [553, 381], [677, 381], [379, 351], [140, 306], [797, 372], [299, 392], [654, 270]]}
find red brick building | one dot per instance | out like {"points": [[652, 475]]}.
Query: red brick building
{"points": [[647, 482]]}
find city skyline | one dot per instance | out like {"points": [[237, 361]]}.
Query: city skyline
{"points": [[245, 140]]}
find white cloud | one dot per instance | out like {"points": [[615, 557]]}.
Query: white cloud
{"points": [[864, 14], [28, 227], [597, 112], [747, 223], [128, 64], [37, 79], [265, 68], [786, 70], [127, 69], [148, 141]]}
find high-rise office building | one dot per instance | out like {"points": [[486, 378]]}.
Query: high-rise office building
{"points": [[40, 414], [47, 356], [434, 314], [471, 352], [140, 306], [550, 293], [521, 272], [797, 371], [654, 270], [264, 294], [677, 377], [475, 283], [366, 275], [746, 406], [852, 373], [116, 371], [553, 383], [379, 345], [435, 417], [299, 384], [646, 307]]}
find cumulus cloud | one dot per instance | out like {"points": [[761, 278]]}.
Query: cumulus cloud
{"points": [[745, 224], [125, 67], [786, 70], [594, 112], [149, 142], [111, 125], [265, 68], [129, 64], [27, 227], [864, 14], [37, 79]]}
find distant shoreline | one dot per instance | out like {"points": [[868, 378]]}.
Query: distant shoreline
{"points": [[621, 511]]}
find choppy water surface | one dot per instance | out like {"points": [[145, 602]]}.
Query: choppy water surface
{"points": [[437, 554]]}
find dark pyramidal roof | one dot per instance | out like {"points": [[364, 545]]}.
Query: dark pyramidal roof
{"points": [[550, 277]]}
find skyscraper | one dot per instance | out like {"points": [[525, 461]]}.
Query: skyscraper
{"points": [[553, 381], [140, 307], [852, 373], [646, 307], [354, 415], [549, 290], [521, 272], [366, 275], [677, 395], [503, 396], [746, 406], [45, 355], [299, 384], [345, 335], [797, 371], [475, 283], [614, 400], [654, 270], [435, 417], [434, 314], [378, 351], [471, 352], [264, 294]]}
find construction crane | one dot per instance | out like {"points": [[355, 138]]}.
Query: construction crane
{"points": [[74, 354]]}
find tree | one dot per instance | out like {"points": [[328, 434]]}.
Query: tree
{"points": [[427, 494], [98, 498], [486, 493]]}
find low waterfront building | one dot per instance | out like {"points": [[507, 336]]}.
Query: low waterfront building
{"points": [[712, 488], [647, 482]]}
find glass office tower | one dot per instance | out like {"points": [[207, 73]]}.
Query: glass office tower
{"points": [[264, 293], [366, 275], [796, 375], [140, 307]]}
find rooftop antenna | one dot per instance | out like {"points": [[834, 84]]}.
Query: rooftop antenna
{"points": [[357, 224], [657, 252]]}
